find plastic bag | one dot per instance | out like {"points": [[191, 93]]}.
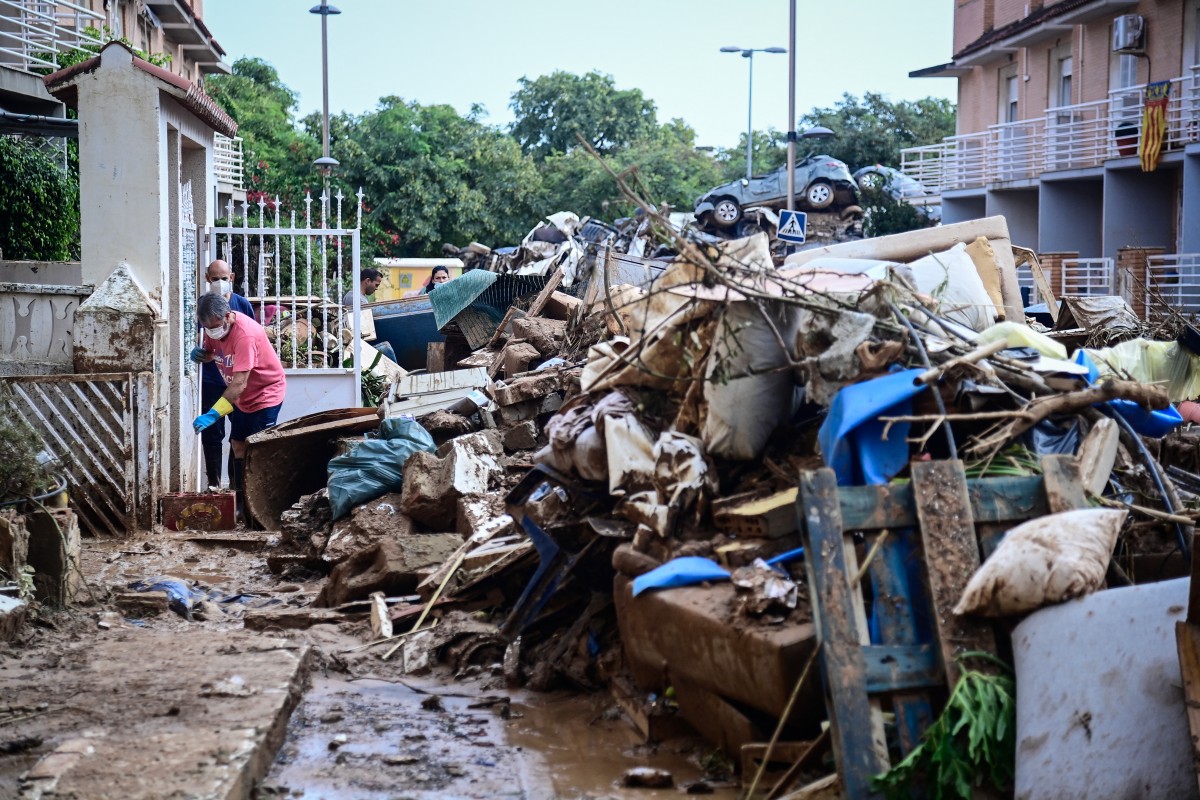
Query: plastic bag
{"points": [[1043, 561], [375, 466]]}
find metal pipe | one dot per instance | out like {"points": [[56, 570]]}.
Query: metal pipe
{"points": [[791, 128], [325, 78], [750, 119]]}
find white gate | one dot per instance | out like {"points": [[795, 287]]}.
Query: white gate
{"points": [[295, 278]]}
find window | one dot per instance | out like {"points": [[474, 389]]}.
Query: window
{"points": [[1062, 69], [1008, 95]]}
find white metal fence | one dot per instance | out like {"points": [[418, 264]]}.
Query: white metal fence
{"points": [[1172, 284], [295, 274], [34, 32], [1082, 276]]}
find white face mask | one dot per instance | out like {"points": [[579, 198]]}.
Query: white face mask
{"points": [[221, 286], [217, 333]]}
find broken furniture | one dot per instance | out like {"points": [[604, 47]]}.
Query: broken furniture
{"points": [[919, 638]]}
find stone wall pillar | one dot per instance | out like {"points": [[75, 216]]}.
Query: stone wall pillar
{"points": [[1131, 275]]}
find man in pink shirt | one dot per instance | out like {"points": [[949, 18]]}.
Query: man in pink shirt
{"points": [[254, 379]]}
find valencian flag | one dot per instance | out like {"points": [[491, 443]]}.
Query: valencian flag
{"points": [[1154, 124]]}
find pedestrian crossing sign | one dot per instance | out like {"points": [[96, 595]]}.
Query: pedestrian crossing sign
{"points": [[793, 226]]}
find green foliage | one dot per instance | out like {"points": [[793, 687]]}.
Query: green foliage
{"points": [[769, 152], [20, 473], [551, 109], [433, 176], [669, 169], [884, 214], [874, 130], [278, 155], [70, 58], [974, 739], [40, 221]]}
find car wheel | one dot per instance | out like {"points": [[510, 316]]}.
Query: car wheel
{"points": [[819, 194], [871, 180], [726, 212]]}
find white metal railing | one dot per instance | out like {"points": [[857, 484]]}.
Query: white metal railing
{"points": [[1173, 283], [34, 32], [1096, 276], [1014, 150], [1077, 136], [1026, 284], [1067, 137], [227, 160]]}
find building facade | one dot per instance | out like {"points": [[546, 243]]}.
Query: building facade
{"points": [[1052, 100]]}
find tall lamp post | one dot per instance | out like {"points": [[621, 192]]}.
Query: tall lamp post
{"points": [[325, 163], [748, 53]]}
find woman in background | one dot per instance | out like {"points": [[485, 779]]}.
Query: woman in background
{"points": [[440, 275]]}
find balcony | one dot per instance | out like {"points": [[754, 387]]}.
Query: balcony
{"points": [[1077, 136], [227, 163], [33, 33]]}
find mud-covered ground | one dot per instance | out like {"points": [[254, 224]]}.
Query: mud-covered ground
{"points": [[362, 730]]}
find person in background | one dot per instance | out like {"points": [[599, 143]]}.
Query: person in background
{"points": [[212, 385], [368, 281], [255, 383], [440, 274]]}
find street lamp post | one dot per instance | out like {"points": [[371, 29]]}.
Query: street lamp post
{"points": [[748, 53], [325, 163]]}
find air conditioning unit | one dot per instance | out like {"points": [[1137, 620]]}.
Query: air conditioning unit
{"points": [[1129, 34]]}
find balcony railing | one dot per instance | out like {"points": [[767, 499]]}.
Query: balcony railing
{"points": [[1067, 137], [1172, 284], [227, 161], [33, 33]]}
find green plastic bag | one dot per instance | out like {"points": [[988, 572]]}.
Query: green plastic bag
{"points": [[375, 466]]}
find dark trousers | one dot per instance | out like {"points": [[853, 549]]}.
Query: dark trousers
{"points": [[212, 437]]}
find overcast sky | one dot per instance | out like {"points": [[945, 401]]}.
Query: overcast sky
{"points": [[463, 52]]}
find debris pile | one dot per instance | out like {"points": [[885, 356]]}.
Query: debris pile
{"points": [[632, 427]]}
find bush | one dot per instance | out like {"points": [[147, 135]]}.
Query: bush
{"points": [[884, 214], [41, 205]]}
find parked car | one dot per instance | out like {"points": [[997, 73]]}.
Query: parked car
{"points": [[821, 182], [900, 186]]}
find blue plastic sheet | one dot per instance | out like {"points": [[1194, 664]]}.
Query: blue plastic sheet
{"points": [[683, 571], [1147, 423], [852, 436]]}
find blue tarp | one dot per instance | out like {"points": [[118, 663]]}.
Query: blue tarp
{"points": [[1147, 423], [852, 436]]}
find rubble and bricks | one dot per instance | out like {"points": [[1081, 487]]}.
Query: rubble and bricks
{"points": [[519, 357], [390, 566], [546, 335], [521, 436], [434, 483], [367, 524]]}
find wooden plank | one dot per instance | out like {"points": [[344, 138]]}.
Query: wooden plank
{"points": [[1187, 640], [1064, 490], [951, 557], [843, 666], [897, 603], [505, 327], [543, 297], [435, 357]]}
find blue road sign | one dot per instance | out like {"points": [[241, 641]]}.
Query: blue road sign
{"points": [[793, 226]]}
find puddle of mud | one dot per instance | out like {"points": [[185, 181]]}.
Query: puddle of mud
{"points": [[579, 748], [375, 740]]}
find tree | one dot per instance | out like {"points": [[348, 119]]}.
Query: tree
{"points": [[669, 169], [40, 221], [874, 130], [551, 109], [432, 176], [278, 155], [769, 152]]}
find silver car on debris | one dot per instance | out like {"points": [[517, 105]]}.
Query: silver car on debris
{"points": [[821, 182]]}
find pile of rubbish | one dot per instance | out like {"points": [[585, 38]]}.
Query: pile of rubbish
{"points": [[604, 493]]}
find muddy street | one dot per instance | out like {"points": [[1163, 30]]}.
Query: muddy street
{"points": [[123, 697]]}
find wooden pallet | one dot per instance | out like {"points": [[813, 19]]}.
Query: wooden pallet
{"points": [[934, 519]]}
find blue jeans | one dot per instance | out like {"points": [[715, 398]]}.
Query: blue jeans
{"points": [[245, 425]]}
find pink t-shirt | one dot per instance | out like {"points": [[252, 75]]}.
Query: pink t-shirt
{"points": [[246, 349]]}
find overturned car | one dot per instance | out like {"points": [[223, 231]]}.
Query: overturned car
{"points": [[821, 182]]}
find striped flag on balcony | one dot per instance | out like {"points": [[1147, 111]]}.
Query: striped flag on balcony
{"points": [[1154, 124]]}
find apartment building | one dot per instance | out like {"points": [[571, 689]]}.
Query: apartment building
{"points": [[34, 34], [1051, 103]]}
